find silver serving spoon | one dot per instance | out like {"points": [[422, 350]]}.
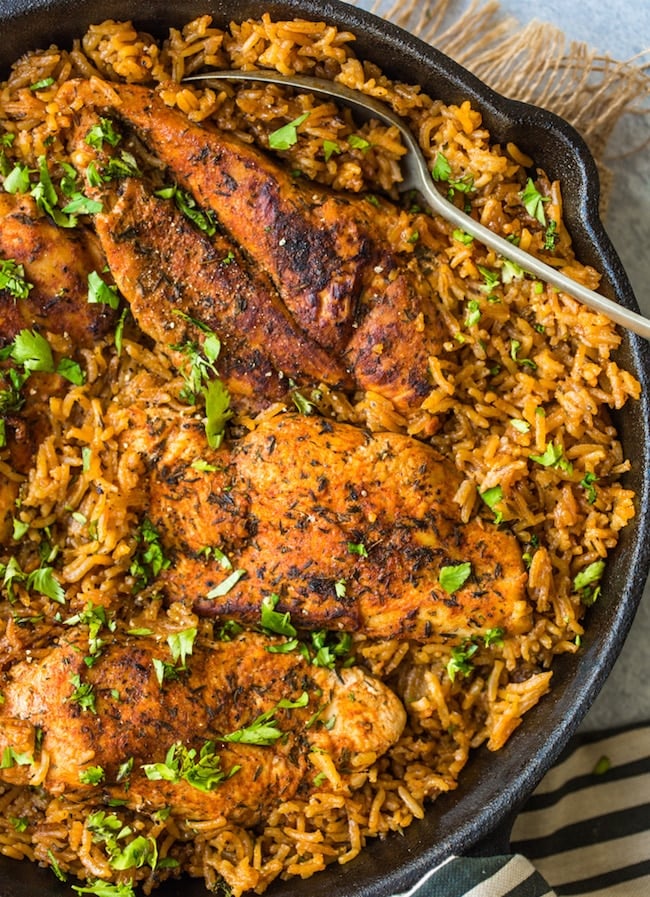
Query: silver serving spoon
{"points": [[416, 176]]}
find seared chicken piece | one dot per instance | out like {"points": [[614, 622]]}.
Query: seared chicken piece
{"points": [[352, 531], [126, 715], [329, 257], [57, 263], [169, 272]]}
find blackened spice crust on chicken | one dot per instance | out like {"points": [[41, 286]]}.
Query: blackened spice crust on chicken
{"points": [[350, 530], [310, 279], [237, 641]]}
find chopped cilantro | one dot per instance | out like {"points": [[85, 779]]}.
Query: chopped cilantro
{"points": [[17, 179], [330, 147], [287, 136], [550, 235], [452, 577], [43, 581], [217, 410], [460, 661], [462, 237], [32, 351], [511, 271], [441, 170], [304, 406], [358, 548], [180, 644], [10, 758], [101, 888], [83, 694], [122, 166], [534, 201], [491, 279], [12, 279], [493, 637], [149, 559], [204, 220], [181, 763], [101, 292], [492, 497], [71, 370], [103, 132], [264, 729], [473, 313], [42, 84], [586, 582], [91, 775], [82, 205], [356, 141], [587, 483], [272, 620], [553, 457], [224, 587], [330, 647]]}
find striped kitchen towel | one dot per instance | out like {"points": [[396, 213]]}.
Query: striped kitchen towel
{"points": [[585, 832]]}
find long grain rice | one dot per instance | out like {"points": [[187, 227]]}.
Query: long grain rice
{"points": [[535, 368]]}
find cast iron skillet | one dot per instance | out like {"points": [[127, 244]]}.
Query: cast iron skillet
{"points": [[473, 819]]}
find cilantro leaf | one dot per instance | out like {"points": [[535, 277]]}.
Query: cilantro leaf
{"points": [[492, 497], [83, 694], [272, 620], [586, 582], [553, 457], [224, 587], [452, 577], [181, 643], [217, 410], [32, 351], [12, 279], [587, 483], [180, 762], [149, 559], [534, 201], [330, 147], [441, 170], [460, 661], [101, 292], [287, 135], [264, 729], [103, 132]]}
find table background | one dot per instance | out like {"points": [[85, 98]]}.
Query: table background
{"points": [[620, 29]]}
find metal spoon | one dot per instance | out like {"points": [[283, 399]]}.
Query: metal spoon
{"points": [[416, 176]]}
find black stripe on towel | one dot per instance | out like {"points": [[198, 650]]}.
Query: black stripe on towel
{"points": [[598, 830], [606, 880], [589, 780]]}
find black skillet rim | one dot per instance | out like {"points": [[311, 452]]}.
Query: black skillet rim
{"points": [[475, 818]]}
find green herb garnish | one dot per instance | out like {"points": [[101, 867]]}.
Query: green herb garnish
{"points": [[452, 577], [287, 136]]}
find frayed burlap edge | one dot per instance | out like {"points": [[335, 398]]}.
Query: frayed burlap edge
{"points": [[536, 63]]}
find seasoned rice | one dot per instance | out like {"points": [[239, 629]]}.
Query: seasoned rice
{"points": [[533, 369]]}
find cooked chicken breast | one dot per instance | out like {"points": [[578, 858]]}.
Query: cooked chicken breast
{"points": [[57, 263], [117, 715], [329, 258], [352, 530]]}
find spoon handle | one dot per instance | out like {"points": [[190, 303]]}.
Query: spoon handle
{"points": [[418, 177]]}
